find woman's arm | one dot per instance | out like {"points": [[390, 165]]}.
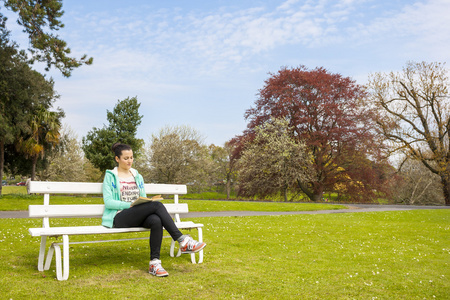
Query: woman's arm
{"points": [[141, 186], [111, 195]]}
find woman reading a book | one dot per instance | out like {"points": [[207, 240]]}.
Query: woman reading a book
{"points": [[121, 187]]}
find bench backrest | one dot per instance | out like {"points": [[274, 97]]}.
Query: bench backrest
{"points": [[47, 211]]}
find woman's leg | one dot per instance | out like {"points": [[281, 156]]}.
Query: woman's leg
{"points": [[156, 234], [135, 217]]}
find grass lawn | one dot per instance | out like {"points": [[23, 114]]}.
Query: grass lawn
{"points": [[381, 255]]}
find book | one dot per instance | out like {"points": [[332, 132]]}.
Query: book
{"points": [[142, 200]]}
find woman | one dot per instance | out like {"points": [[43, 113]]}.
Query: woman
{"points": [[121, 187]]}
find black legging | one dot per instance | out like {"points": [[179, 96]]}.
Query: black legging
{"points": [[152, 215]]}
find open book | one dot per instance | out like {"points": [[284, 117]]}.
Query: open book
{"points": [[142, 200]]}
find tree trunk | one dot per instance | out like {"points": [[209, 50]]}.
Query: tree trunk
{"points": [[304, 189], [33, 167], [228, 187], [2, 162], [315, 195], [445, 180]]}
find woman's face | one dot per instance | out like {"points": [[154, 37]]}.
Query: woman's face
{"points": [[125, 161]]}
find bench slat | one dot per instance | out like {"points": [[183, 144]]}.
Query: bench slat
{"points": [[52, 187], [88, 210], [84, 230], [41, 211]]}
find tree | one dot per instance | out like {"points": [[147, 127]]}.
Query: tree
{"points": [[176, 155], [363, 179], [203, 170], [123, 123], [45, 129], [273, 162], [15, 162], [92, 173], [418, 185], [326, 111], [11, 75], [224, 165], [39, 19], [66, 161], [22, 92], [414, 115], [143, 163]]}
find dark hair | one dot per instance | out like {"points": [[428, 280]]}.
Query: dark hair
{"points": [[117, 149]]}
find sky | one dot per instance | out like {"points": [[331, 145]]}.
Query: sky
{"points": [[202, 63]]}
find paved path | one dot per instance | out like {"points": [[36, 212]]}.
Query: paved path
{"points": [[352, 208]]}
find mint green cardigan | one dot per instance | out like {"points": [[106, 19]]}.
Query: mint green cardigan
{"points": [[111, 195]]}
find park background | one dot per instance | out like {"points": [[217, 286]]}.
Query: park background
{"points": [[187, 73]]}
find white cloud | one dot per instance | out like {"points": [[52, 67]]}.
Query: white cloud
{"points": [[213, 41], [422, 27]]}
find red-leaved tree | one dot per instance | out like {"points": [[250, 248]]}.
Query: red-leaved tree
{"points": [[329, 114]]}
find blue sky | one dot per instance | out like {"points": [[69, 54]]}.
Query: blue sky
{"points": [[201, 63]]}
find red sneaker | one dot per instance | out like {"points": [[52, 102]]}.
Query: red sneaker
{"points": [[156, 269], [189, 245]]}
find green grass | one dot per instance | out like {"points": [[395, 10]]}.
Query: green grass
{"points": [[10, 189], [382, 255]]}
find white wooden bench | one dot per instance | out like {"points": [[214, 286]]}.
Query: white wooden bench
{"points": [[47, 211]]}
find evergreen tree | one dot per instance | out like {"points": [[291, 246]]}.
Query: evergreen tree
{"points": [[23, 92], [123, 123], [39, 20]]}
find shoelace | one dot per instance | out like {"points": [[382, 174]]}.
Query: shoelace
{"points": [[157, 266], [190, 244]]}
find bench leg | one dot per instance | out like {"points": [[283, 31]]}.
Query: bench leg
{"points": [[44, 263], [48, 260], [172, 249], [62, 272], [200, 253], [42, 253]]}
